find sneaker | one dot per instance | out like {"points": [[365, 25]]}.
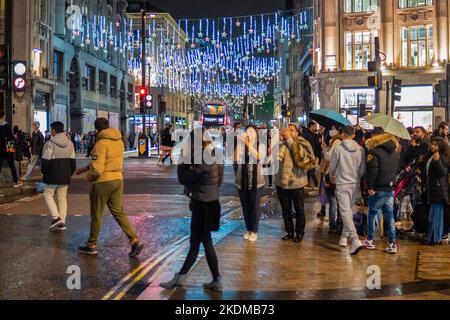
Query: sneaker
{"points": [[253, 237], [298, 238], [160, 163], [55, 223], [288, 236], [89, 250], [18, 185], [356, 247], [320, 216], [136, 249], [246, 235], [343, 242], [61, 227], [368, 244], [391, 248]]}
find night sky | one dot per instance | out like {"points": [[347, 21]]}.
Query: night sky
{"points": [[217, 8]]}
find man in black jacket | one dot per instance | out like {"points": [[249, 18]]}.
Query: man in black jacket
{"points": [[37, 143], [58, 166], [313, 138], [382, 165], [6, 137]]}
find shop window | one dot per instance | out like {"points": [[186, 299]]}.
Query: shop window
{"points": [[355, 6], [417, 46], [414, 3], [359, 49]]}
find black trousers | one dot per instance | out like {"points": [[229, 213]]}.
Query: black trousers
{"points": [[250, 202], [9, 157], [201, 234], [312, 176], [287, 199]]}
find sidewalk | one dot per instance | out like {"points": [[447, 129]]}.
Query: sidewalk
{"points": [[315, 269]]}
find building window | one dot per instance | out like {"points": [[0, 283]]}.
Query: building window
{"points": [[113, 86], [414, 3], [355, 6], [102, 82], [90, 81], [58, 65], [359, 49], [417, 46]]}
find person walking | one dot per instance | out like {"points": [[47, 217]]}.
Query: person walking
{"points": [[7, 138], [437, 168], [383, 159], [205, 207], [58, 166], [250, 181], [37, 143], [295, 157], [347, 166], [106, 174], [167, 144]]}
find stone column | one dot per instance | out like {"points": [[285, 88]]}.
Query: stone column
{"points": [[387, 31], [442, 34], [331, 21]]}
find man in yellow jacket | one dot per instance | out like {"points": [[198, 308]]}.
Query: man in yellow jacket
{"points": [[105, 172]]}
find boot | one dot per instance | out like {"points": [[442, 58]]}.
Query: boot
{"points": [[179, 280], [215, 285]]}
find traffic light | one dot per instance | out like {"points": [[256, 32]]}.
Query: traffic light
{"points": [[163, 108], [284, 111], [142, 95], [376, 80], [397, 89], [4, 68], [362, 110], [19, 76]]}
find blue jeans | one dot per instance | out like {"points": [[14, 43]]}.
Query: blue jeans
{"points": [[332, 211], [385, 201], [435, 222]]}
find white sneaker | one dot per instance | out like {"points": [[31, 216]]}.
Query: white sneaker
{"points": [[253, 237], [343, 242], [18, 185], [356, 247], [246, 235], [391, 248]]}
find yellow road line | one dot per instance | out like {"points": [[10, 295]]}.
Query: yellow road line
{"points": [[135, 271]]}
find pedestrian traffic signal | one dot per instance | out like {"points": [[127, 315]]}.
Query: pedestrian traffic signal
{"points": [[4, 68], [19, 76], [142, 92]]}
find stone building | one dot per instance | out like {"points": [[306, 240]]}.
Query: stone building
{"points": [[71, 79], [414, 37]]}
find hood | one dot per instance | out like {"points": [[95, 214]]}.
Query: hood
{"points": [[60, 140], [110, 134], [386, 141], [350, 145]]}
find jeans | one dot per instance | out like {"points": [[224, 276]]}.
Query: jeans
{"points": [[435, 222], [57, 210], [33, 162], [332, 211], [250, 202], [108, 193], [287, 198], [384, 201], [345, 195]]}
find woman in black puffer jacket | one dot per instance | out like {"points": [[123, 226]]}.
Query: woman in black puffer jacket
{"points": [[205, 207], [437, 189]]}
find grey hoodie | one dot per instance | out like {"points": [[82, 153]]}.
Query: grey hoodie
{"points": [[348, 163]]}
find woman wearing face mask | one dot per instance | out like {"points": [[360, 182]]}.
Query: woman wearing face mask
{"points": [[250, 180], [437, 189]]}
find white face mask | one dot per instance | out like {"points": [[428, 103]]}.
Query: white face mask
{"points": [[333, 133]]}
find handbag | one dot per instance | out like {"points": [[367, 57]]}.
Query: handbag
{"points": [[189, 175]]}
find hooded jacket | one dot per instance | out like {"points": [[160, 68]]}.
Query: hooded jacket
{"points": [[383, 162], [347, 163], [107, 157], [58, 160]]}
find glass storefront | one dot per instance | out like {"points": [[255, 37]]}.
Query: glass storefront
{"points": [[416, 107], [352, 98]]}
